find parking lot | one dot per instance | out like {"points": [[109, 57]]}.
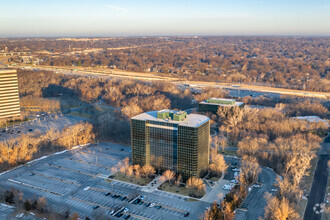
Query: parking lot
{"points": [[76, 181], [40, 122]]}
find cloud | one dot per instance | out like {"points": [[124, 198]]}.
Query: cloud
{"points": [[116, 8]]}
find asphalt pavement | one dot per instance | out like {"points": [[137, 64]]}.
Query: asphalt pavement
{"points": [[317, 194]]}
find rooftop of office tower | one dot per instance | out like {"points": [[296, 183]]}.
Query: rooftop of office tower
{"points": [[175, 117]]}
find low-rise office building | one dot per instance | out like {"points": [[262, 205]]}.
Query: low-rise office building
{"points": [[173, 140], [9, 96], [213, 104]]}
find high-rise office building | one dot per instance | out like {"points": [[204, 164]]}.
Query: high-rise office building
{"points": [[213, 104], [9, 97], [171, 140]]}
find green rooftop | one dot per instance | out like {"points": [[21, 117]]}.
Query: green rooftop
{"points": [[221, 101], [173, 115]]}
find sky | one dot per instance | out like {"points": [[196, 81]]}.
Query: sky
{"points": [[102, 18]]}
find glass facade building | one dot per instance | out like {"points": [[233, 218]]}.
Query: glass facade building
{"points": [[179, 142]]}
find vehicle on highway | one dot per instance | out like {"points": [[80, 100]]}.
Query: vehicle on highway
{"points": [[186, 214]]}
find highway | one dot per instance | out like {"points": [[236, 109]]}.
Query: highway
{"points": [[239, 89]]}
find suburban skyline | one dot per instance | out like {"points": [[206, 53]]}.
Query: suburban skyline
{"points": [[38, 18]]}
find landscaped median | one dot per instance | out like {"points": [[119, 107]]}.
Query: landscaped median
{"points": [[142, 181]]}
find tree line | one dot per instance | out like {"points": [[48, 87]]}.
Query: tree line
{"points": [[26, 147]]}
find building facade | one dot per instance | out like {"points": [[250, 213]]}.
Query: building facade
{"points": [[9, 96], [171, 140], [213, 104]]}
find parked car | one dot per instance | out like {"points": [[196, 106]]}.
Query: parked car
{"points": [[107, 194], [152, 205], [186, 214], [227, 187], [95, 207], [126, 209]]}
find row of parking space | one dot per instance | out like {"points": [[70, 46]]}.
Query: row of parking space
{"points": [[94, 160], [169, 195], [127, 185], [68, 176], [99, 192], [107, 153], [174, 208], [98, 197], [33, 191], [145, 215], [46, 183], [76, 166], [249, 198]]}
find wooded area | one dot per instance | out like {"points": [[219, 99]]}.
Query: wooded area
{"points": [[289, 62]]}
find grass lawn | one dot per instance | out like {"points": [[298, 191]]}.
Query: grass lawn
{"points": [[214, 178], [132, 179], [178, 190], [229, 152]]}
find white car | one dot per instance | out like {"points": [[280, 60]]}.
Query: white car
{"points": [[126, 209], [86, 188], [236, 174], [111, 212], [234, 181], [226, 187], [256, 186], [235, 169], [152, 205]]}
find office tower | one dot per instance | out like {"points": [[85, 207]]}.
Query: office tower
{"points": [[9, 97], [173, 140]]}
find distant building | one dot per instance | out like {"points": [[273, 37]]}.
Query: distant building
{"points": [[171, 140], [212, 104], [9, 97]]}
